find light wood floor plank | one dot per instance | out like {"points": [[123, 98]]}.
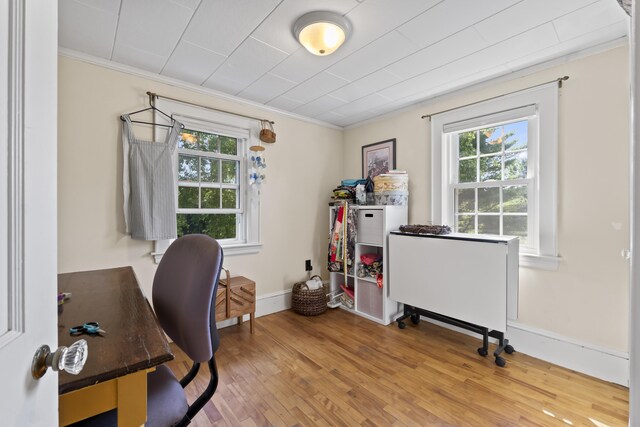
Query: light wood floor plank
{"points": [[338, 369]]}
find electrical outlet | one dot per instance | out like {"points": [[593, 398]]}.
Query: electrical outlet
{"points": [[307, 265]]}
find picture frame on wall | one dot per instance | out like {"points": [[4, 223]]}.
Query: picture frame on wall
{"points": [[379, 157]]}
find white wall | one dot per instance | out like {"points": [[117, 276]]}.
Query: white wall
{"points": [[303, 166], [587, 298]]}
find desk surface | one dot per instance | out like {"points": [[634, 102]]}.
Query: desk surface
{"points": [[134, 340]]}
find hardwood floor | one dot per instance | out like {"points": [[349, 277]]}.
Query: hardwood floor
{"points": [[338, 369]]}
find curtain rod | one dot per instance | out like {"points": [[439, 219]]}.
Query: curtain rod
{"points": [[155, 95], [559, 80]]}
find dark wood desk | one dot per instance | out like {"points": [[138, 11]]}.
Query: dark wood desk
{"points": [[115, 374]]}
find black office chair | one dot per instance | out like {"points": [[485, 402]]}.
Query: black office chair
{"points": [[184, 288]]}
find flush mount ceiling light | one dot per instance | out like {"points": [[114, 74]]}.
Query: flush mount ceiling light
{"points": [[321, 33]]}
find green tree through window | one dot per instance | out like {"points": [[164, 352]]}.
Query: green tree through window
{"points": [[208, 184], [492, 188]]}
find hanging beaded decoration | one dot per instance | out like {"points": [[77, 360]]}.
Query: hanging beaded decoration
{"points": [[258, 165]]}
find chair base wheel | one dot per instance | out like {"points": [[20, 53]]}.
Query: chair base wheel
{"points": [[415, 319], [402, 325], [509, 349], [482, 352], [500, 361]]}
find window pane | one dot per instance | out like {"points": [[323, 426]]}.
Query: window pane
{"points": [[516, 226], [515, 165], [466, 224], [218, 226], [489, 199], [466, 200], [208, 142], [187, 197], [488, 224], [516, 135], [188, 139], [229, 198], [467, 171], [228, 145], [467, 144], [491, 140], [229, 171], [210, 198], [209, 170], [514, 199], [491, 168], [187, 168]]}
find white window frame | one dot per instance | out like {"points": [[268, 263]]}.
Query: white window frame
{"points": [[540, 105], [246, 130]]}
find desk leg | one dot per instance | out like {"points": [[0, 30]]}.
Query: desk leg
{"points": [[252, 316], [132, 399], [87, 402]]}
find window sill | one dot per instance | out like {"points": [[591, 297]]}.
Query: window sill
{"points": [[541, 262], [229, 250]]}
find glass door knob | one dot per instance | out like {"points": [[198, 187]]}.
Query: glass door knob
{"points": [[70, 359]]}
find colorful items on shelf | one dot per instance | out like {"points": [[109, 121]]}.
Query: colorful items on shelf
{"points": [[343, 241], [371, 266], [347, 191]]}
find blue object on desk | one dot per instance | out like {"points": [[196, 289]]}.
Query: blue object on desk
{"points": [[88, 328]]}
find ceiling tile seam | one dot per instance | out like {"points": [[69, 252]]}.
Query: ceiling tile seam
{"points": [[353, 8], [422, 13], [240, 44], [448, 63], [555, 30], [184, 30], [269, 45], [512, 74], [552, 21], [115, 33], [352, 53], [170, 81], [263, 74], [328, 109], [400, 59], [487, 47], [384, 67]]}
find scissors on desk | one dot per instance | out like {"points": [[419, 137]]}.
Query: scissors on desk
{"points": [[91, 328]]}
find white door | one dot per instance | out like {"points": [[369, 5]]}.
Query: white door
{"points": [[28, 145]]}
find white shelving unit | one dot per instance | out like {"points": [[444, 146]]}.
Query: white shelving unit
{"points": [[373, 227]]}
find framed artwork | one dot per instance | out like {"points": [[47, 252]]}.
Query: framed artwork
{"points": [[378, 158]]}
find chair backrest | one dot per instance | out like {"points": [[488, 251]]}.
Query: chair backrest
{"points": [[184, 289]]}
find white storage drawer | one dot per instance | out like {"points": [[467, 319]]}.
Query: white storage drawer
{"points": [[370, 227]]}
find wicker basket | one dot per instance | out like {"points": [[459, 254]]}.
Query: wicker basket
{"points": [[308, 302]]}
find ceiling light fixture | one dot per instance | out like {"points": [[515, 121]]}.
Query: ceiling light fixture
{"points": [[321, 32]]}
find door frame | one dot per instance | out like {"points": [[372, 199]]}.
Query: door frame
{"points": [[634, 276]]}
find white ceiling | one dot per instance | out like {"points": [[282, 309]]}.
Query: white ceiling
{"points": [[400, 52]]}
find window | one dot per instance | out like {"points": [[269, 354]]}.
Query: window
{"points": [[209, 191], [492, 186], [494, 171], [212, 185]]}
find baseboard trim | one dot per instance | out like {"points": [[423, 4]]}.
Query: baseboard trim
{"points": [[265, 304], [596, 361], [599, 362]]}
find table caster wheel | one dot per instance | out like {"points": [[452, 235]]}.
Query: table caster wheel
{"points": [[509, 349], [500, 361], [482, 352], [415, 319], [402, 325]]}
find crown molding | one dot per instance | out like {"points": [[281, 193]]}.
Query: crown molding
{"points": [[115, 66]]}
